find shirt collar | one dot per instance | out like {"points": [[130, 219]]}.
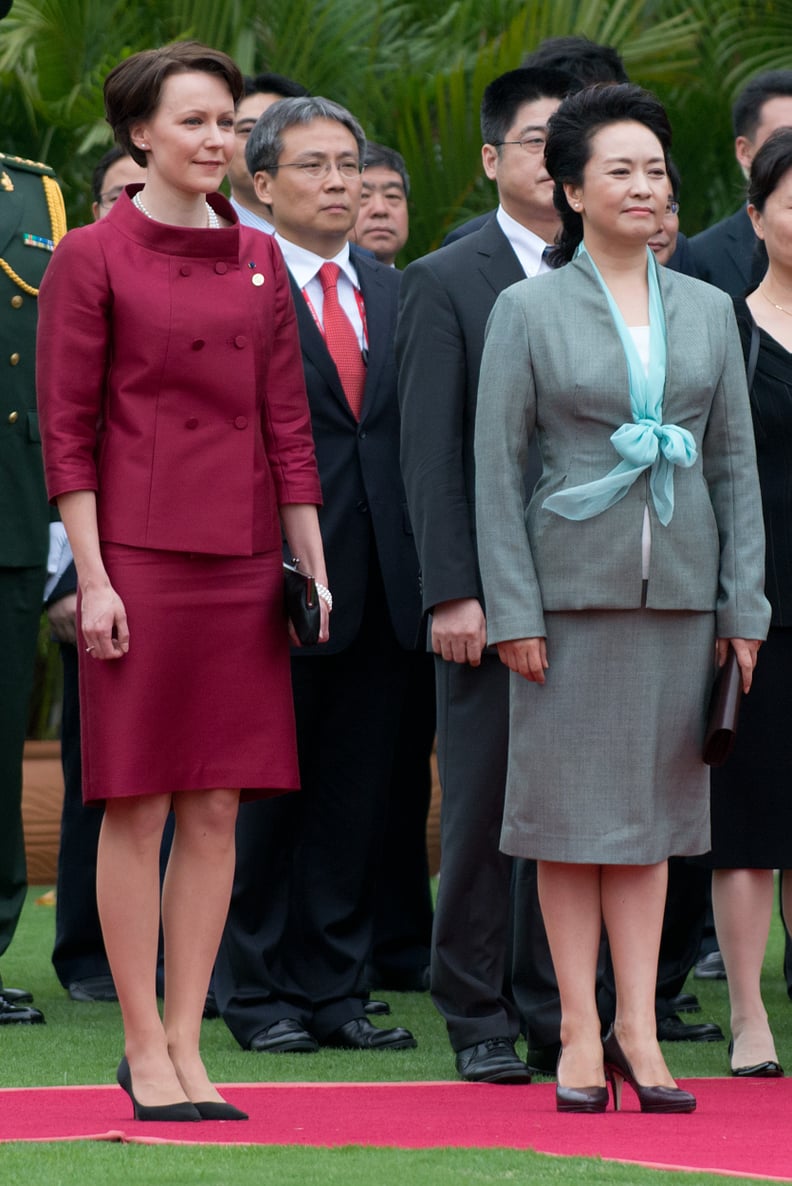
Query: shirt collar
{"points": [[527, 246], [304, 265], [248, 218]]}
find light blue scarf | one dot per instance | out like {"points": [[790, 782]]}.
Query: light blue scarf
{"points": [[647, 441]]}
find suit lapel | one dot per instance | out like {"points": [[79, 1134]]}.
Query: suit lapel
{"points": [[498, 263], [313, 345], [379, 325]]}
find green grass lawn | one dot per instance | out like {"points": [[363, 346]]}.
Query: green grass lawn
{"points": [[82, 1043]]}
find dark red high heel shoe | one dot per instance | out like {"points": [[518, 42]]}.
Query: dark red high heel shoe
{"points": [[652, 1099], [579, 1099]]}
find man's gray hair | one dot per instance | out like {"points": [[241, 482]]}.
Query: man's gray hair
{"points": [[265, 142]]}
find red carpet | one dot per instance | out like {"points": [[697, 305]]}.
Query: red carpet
{"points": [[740, 1127]]}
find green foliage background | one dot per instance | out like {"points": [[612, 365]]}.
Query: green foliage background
{"points": [[411, 70]]}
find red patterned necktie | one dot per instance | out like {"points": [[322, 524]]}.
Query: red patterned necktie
{"points": [[342, 341]]}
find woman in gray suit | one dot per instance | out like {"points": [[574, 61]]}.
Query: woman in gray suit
{"points": [[641, 545]]}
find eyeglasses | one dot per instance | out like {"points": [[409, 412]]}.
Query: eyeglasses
{"points": [[672, 206], [317, 170], [111, 197], [531, 144]]}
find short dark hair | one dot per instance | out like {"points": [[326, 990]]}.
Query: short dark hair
{"points": [[265, 142], [569, 135], [674, 177], [272, 84], [133, 88], [504, 96], [747, 107], [379, 156], [770, 164], [116, 153], [588, 61]]}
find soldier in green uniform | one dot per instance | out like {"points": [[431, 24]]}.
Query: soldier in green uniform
{"points": [[32, 220]]}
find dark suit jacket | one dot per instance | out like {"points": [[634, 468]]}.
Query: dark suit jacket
{"points": [[364, 497], [446, 299], [467, 228], [726, 254], [24, 215]]}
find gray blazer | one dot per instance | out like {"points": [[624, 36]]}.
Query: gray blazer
{"points": [[554, 365]]}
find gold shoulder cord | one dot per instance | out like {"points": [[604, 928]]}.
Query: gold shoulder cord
{"points": [[57, 215]]}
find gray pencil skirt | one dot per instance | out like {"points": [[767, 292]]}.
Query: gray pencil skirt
{"points": [[605, 758]]}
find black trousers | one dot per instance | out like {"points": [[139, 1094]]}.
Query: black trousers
{"points": [[20, 610], [300, 926]]}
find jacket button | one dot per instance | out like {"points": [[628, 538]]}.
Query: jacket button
{"points": [[198, 344], [13, 417], [14, 359], [221, 269], [17, 301], [362, 507], [362, 435], [240, 422], [191, 423], [240, 341], [185, 270]]}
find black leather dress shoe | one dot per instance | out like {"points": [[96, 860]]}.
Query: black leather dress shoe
{"points": [[360, 1034], [17, 996], [19, 1014], [284, 1037], [673, 1029], [492, 1061], [376, 1008], [710, 967], [542, 1060], [93, 988], [685, 1002]]}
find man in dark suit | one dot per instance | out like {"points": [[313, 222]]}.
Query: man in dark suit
{"points": [[587, 61], [290, 967], [727, 253], [446, 300], [32, 219]]}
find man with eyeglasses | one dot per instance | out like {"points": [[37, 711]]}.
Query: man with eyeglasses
{"points": [[113, 172], [446, 300], [290, 968], [261, 91]]}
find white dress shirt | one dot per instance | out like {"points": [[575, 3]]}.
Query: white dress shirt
{"points": [[248, 218], [304, 266], [527, 246]]}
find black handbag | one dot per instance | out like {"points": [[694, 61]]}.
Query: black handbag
{"points": [[724, 711], [301, 602]]}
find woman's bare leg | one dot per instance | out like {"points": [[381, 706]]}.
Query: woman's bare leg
{"points": [[742, 902], [195, 900], [128, 897], [569, 896], [633, 902]]}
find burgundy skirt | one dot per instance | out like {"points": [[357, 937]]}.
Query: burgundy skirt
{"points": [[202, 699]]}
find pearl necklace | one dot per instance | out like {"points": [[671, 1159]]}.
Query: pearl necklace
{"points": [[213, 221], [780, 308]]}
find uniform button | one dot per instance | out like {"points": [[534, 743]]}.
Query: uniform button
{"points": [[191, 423], [240, 422], [185, 270], [13, 417], [221, 269], [198, 344], [14, 359], [240, 341], [17, 302]]}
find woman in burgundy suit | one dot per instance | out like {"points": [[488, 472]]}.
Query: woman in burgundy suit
{"points": [[178, 447]]}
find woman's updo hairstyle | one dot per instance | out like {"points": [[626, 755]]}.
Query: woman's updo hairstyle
{"points": [[569, 134], [771, 162], [133, 88]]}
